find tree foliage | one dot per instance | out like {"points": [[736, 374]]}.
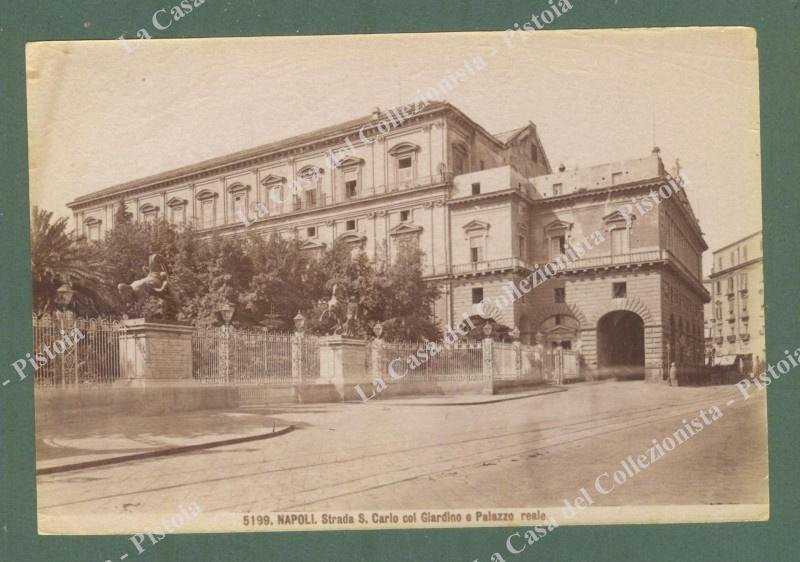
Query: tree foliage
{"points": [[267, 280]]}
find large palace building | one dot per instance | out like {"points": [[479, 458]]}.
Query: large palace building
{"points": [[485, 208]]}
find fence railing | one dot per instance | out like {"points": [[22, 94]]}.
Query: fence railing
{"points": [[94, 359], [459, 362]]}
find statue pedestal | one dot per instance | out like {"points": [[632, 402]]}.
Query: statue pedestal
{"points": [[342, 363], [155, 354]]}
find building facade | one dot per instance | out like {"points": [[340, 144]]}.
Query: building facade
{"points": [[486, 209], [734, 318]]}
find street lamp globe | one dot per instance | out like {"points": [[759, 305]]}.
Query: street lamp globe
{"points": [[65, 294], [377, 329], [226, 311], [487, 329], [514, 333]]}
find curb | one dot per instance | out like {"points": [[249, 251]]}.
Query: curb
{"points": [[386, 402], [161, 452]]}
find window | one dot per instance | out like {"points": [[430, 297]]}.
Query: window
{"points": [[311, 198], [476, 248], [742, 281], [733, 258], [459, 160], [719, 262], [719, 287], [207, 213], [350, 188], [557, 188], [619, 290], [350, 225], [476, 188], [522, 247], [239, 207], [177, 214], [620, 242], [297, 201], [534, 153], [311, 231], [481, 165], [557, 246], [559, 295], [405, 168], [405, 216], [477, 295], [718, 310], [730, 285], [744, 253]]}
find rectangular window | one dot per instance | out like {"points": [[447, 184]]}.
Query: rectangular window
{"points": [[620, 242], [311, 231], [534, 153], [176, 215], [730, 285], [719, 263], [482, 165], [619, 290], [405, 168], [405, 216], [559, 295], [238, 206], [733, 259], [744, 253], [476, 249], [350, 225], [719, 288], [311, 198], [207, 214], [477, 295], [742, 281], [350, 188], [557, 188], [476, 188], [718, 310], [557, 246]]}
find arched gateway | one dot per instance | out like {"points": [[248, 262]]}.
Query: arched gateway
{"points": [[620, 344]]}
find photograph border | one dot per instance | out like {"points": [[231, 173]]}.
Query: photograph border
{"points": [[779, 75]]}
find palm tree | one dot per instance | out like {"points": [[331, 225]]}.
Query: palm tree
{"points": [[57, 258]]}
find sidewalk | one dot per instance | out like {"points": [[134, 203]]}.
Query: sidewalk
{"points": [[90, 439]]}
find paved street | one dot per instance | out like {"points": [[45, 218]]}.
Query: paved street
{"points": [[533, 451]]}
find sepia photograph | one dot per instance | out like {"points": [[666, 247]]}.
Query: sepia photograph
{"points": [[393, 281]]}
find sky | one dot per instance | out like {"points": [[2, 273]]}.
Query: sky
{"points": [[99, 114]]}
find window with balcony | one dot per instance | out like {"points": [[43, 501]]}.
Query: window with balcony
{"points": [[743, 282], [620, 241], [730, 285], [477, 295], [311, 198], [719, 288], [559, 295], [476, 188], [558, 245], [476, 245], [619, 290]]}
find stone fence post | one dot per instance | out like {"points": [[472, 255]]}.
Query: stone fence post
{"points": [[488, 365], [297, 358]]}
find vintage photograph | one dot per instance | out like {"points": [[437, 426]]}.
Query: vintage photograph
{"points": [[398, 281]]}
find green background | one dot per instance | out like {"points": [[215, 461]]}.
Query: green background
{"points": [[778, 25]]}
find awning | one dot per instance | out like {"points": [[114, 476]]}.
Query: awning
{"points": [[725, 360]]}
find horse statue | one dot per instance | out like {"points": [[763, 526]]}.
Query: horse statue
{"points": [[155, 283], [343, 313]]}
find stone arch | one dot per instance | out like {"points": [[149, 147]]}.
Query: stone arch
{"points": [[570, 309], [630, 304]]}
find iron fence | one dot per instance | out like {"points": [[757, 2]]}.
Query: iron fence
{"points": [[459, 362]]}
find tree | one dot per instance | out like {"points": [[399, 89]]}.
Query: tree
{"points": [[57, 258], [409, 299]]}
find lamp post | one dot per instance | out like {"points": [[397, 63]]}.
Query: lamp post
{"points": [[226, 311], [65, 294]]}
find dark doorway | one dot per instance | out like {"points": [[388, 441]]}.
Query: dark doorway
{"points": [[620, 345]]}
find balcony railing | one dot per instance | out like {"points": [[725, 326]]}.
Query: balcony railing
{"points": [[620, 259], [489, 265]]}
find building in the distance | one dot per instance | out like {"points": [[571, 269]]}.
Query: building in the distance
{"points": [[734, 318], [485, 208]]}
